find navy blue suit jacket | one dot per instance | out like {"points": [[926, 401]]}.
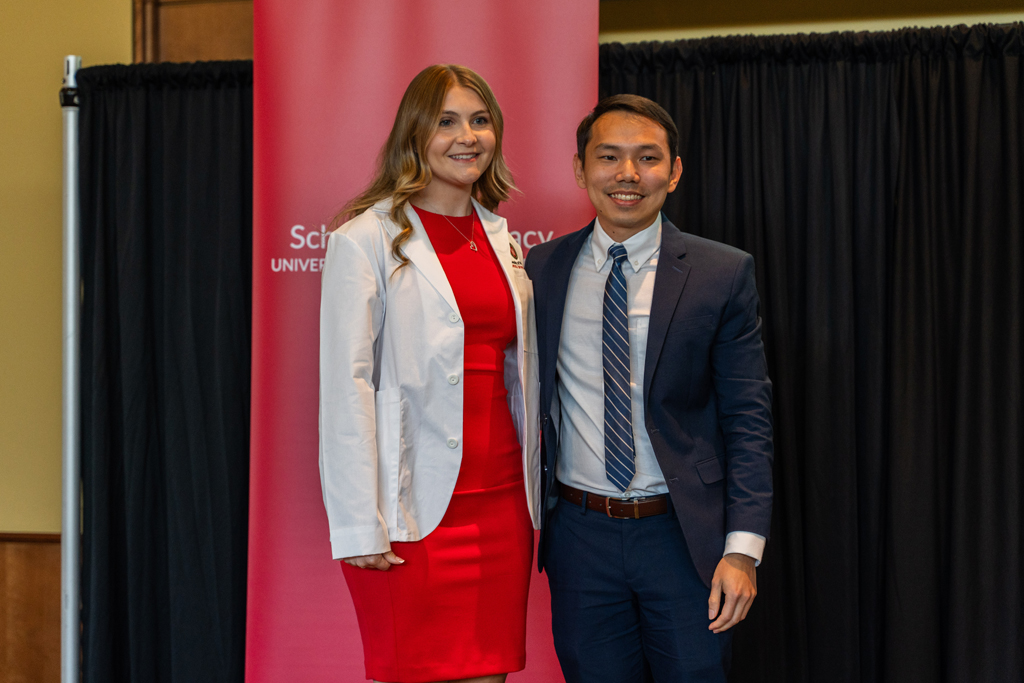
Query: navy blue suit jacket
{"points": [[707, 396]]}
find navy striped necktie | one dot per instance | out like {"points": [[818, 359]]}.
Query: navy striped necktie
{"points": [[619, 454]]}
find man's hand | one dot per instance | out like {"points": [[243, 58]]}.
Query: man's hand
{"points": [[382, 562], [736, 577]]}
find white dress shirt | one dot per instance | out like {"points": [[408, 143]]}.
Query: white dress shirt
{"points": [[581, 461]]}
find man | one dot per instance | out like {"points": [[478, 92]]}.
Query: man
{"points": [[655, 416]]}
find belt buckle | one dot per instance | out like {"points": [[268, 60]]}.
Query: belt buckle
{"points": [[608, 507]]}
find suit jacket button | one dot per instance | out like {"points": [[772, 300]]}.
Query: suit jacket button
{"points": [[453, 443]]}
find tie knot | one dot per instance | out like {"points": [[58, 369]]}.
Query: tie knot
{"points": [[617, 252]]}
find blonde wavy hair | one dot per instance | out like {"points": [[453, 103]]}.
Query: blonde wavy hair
{"points": [[402, 170]]}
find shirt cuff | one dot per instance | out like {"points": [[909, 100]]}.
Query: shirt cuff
{"points": [[745, 543]]}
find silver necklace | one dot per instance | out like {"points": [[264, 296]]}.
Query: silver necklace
{"points": [[472, 242]]}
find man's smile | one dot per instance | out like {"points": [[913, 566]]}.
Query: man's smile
{"points": [[625, 198]]}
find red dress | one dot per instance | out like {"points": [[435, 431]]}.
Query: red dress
{"points": [[457, 607]]}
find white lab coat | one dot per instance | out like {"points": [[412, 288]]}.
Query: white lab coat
{"points": [[391, 370]]}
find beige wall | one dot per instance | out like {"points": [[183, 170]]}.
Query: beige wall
{"points": [[34, 37]]}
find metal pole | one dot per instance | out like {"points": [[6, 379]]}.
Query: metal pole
{"points": [[70, 496]]}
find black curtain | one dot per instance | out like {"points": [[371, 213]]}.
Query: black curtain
{"points": [[166, 197], [878, 180]]}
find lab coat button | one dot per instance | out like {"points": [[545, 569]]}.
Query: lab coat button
{"points": [[453, 317], [453, 379], [453, 443]]}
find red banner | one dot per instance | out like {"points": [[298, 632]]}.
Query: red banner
{"points": [[328, 79]]}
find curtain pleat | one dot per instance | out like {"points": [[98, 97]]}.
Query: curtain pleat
{"points": [[166, 197], [877, 180]]}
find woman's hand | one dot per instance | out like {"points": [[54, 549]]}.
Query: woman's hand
{"points": [[382, 562]]}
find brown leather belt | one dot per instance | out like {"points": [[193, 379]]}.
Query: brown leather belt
{"points": [[617, 508]]}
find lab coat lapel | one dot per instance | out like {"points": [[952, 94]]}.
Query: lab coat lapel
{"points": [[421, 253], [492, 225]]}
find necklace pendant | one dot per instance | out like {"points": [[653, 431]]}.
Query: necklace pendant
{"points": [[472, 245]]}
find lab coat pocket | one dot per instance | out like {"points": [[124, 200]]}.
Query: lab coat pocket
{"points": [[388, 403]]}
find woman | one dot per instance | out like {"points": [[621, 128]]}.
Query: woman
{"points": [[428, 442]]}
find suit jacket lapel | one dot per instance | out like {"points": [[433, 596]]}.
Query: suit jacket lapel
{"points": [[668, 287], [555, 278]]}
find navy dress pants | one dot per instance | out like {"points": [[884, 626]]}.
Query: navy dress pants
{"points": [[627, 604]]}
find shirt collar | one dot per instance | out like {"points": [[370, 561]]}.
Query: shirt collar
{"points": [[639, 248]]}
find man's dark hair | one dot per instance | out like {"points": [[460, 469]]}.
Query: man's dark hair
{"points": [[633, 104]]}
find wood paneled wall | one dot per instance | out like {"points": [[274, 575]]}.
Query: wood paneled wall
{"points": [[30, 608], [651, 15], [192, 30]]}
